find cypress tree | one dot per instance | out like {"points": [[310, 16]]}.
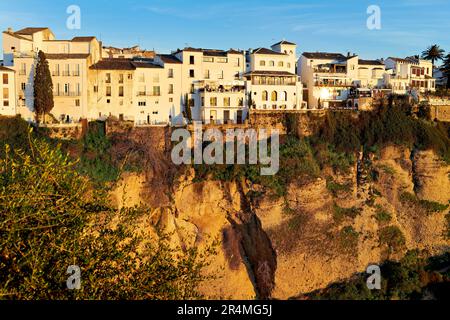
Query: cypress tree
{"points": [[43, 88]]}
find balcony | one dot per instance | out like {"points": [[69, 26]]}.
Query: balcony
{"points": [[148, 94], [335, 83], [67, 94], [76, 73], [330, 71], [66, 73]]}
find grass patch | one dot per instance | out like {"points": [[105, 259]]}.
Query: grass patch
{"points": [[429, 206], [392, 237], [340, 213], [382, 215], [348, 239], [387, 169], [336, 188]]}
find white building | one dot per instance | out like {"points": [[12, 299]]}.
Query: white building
{"points": [[405, 76], [69, 62], [212, 84], [330, 78], [272, 83], [7, 91]]}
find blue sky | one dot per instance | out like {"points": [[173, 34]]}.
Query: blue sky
{"points": [[408, 26]]}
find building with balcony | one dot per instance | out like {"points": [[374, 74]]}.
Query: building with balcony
{"points": [[69, 62], [410, 75], [331, 77], [272, 82], [211, 84]]}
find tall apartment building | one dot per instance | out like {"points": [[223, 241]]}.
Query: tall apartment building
{"points": [[7, 91], [330, 78], [409, 74], [68, 60], [272, 82], [212, 84]]}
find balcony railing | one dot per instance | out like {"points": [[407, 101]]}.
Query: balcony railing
{"points": [[148, 94], [67, 94], [66, 73], [76, 73], [333, 84], [318, 70]]}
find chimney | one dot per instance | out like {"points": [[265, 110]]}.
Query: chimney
{"points": [[10, 30], [348, 54]]}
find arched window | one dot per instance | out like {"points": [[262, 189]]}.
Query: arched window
{"points": [[272, 63], [284, 97], [264, 96], [274, 96], [280, 64]]}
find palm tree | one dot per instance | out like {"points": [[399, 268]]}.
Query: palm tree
{"points": [[433, 53]]}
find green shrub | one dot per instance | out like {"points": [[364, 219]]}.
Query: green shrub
{"points": [[429, 206], [340, 214], [51, 218], [392, 237], [335, 188], [382, 215], [348, 239]]}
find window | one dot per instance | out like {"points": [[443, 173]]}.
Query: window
{"points": [[220, 75], [226, 102], [121, 78], [77, 102], [108, 78], [108, 91], [206, 74], [280, 64], [213, 102], [76, 72], [141, 77], [191, 60], [203, 101], [274, 96], [66, 88], [56, 70], [222, 60], [170, 73], [95, 88], [191, 73], [285, 96], [23, 86], [264, 96], [170, 88], [67, 71], [241, 102], [5, 78], [208, 59], [78, 89], [142, 103], [289, 65], [170, 99], [23, 69], [262, 63], [5, 93], [237, 62], [272, 64], [6, 103], [157, 91], [130, 76], [156, 78], [121, 91]]}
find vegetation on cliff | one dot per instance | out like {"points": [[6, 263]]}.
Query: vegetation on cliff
{"points": [[51, 218]]}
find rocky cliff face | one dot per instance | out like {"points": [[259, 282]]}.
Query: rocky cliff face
{"points": [[316, 235]]}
